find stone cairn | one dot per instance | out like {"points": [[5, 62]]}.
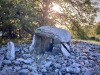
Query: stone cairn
{"points": [[84, 59]]}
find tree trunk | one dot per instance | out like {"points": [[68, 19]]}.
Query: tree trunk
{"points": [[20, 35], [10, 33], [27, 30], [2, 34]]}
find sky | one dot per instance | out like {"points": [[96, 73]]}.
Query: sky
{"points": [[97, 19]]}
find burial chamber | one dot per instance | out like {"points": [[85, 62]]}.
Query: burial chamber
{"points": [[46, 36]]}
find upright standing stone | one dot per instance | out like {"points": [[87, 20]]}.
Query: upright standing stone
{"points": [[11, 51], [33, 44], [36, 45], [1, 60]]}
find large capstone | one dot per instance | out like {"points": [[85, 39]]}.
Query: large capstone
{"points": [[47, 36]]}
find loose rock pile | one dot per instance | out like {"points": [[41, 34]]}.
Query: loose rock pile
{"points": [[84, 59]]}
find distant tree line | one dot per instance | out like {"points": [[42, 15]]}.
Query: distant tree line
{"points": [[20, 18]]}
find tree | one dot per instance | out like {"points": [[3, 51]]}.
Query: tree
{"points": [[30, 14], [14, 14], [7, 17], [73, 14], [97, 28], [78, 31], [89, 31], [78, 13]]}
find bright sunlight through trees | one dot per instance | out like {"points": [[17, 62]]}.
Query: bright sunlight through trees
{"points": [[56, 7]]}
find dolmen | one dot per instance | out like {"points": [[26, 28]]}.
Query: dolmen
{"points": [[46, 36]]}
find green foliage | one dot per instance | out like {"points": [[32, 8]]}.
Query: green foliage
{"points": [[89, 30], [93, 41], [77, 31], [30, 14], [97, 28], [19, 41]]}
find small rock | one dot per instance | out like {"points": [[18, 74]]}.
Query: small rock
{"points": [[16, 62], [67, 74], [86, 62], [56, 72], [74, 68], [64, 65], [48, 63], [88, 72], [56, 65], [31, 68], [24, 72], [47, 73], [3, 72], [22, 52], [82, 63], [7, 62], [97, 54], [34, 65], [49, 58], [43, 69], [26, 56], [72, 57], [28, 61], [34, 73], [26, 50], [25, 66], [11, 72], [96, 70], [17, 48], [63, 71], [17, 67], [6, 67], [20, 59], [49, 68], [0, 72], [59, 73], [76, 65], [85, 51]]}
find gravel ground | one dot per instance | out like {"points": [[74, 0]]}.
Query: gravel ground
{"points": [[84, 59]]}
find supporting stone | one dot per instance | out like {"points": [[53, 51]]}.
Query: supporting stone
{"points": [[64, 50], [36, 45]]}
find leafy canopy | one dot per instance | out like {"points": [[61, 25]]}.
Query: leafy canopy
{"points": [[30, 14]]}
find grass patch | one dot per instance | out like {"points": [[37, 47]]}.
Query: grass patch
{"points": [[19, 41], [93, 41]]}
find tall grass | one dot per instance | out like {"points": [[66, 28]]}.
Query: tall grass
{"points": [[19, 41], [94, 41]]}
